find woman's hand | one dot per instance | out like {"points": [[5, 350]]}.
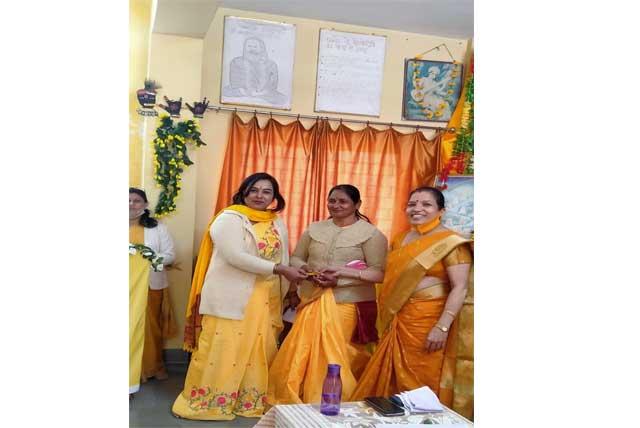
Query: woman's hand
{"points": [[328, 278], [436, 339], [291, 273]]}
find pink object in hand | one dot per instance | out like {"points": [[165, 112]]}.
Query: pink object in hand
{"points": [[357, 264]]}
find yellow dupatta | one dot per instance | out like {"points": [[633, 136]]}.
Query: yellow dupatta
{"points": [[407, 265], [138, 286], [193, 324]]}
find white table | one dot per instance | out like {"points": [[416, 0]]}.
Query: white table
{"points": [[352, 415]]}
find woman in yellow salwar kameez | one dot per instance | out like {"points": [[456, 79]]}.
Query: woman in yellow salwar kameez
{"points": [[336, 315], [228, 372], [424, 288]]}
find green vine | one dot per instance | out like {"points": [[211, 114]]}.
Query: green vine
{"points": [[463, 146], [170, 159]]}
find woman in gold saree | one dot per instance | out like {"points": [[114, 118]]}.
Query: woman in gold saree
{"points": [[336, 315], [246, 253], [424, 288]]}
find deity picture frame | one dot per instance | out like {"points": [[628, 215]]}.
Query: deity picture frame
{"points": [[431, 89]]}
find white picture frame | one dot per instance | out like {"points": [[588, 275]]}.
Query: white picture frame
{"points": [[257, 63]]}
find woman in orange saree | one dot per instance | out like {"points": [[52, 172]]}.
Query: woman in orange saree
{"points": [[423, 290]]}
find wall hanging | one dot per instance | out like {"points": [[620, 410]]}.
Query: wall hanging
{"points": [[431, 89], [257, 62]]}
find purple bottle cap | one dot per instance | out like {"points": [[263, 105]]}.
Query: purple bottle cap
{"points": [[334, 369]]}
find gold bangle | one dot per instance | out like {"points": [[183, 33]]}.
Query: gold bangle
{"points": [[453, 314]]}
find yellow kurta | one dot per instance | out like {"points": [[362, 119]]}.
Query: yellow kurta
{"points": [[138, 286], [228, 373]]}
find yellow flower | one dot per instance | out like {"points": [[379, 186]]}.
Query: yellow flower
{"points": [[438, 113]]}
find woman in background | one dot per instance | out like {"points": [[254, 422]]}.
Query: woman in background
{"points": [[336, 315], [423, 291], [248, 249], [156, 319]]}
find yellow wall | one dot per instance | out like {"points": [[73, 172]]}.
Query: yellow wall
{"points": [[215, 126], [176, 64], [140, 17]]}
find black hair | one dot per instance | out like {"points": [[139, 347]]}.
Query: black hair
{"points": [[145, 219], [437, 194], [248, 183], [354, 194]]}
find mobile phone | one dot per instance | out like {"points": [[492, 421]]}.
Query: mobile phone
{"points": [[384, 406]]}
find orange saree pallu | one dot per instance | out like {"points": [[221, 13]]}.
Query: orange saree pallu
{"points": [[320, 336], [400, 361]]}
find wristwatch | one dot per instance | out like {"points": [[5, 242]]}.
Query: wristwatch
{"points": [[442, 328]]}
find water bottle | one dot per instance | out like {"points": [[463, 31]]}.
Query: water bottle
{"points": [[331, 391]]}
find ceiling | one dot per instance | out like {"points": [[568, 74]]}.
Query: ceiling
{"points": [[445, 18]]}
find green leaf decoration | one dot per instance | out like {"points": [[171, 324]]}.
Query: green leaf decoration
{"points": [[170, 159]]}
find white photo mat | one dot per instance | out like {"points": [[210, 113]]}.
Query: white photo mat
{"points": [[257, 63]]}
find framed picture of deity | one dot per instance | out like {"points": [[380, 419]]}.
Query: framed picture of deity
{"points": [[431, 90], [257, 63]]}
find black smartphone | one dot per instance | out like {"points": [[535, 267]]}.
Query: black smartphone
{"points": [[384, 406]]}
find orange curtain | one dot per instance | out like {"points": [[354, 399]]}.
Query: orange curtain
{"points": [[383, 165]]}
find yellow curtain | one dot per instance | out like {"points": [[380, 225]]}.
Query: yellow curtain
{"points": [[140, 16], [308, 162]]}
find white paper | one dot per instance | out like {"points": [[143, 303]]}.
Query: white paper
{"points": [[421, 400], [289, 315], [350, 69]]}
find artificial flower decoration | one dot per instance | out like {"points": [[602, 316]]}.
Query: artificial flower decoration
{"points": [[170, 159], [461, 161]]}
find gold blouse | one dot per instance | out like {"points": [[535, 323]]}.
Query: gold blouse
{"points": [[325, 244]]}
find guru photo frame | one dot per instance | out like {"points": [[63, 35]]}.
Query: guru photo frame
{"points": [[257, 63]]}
